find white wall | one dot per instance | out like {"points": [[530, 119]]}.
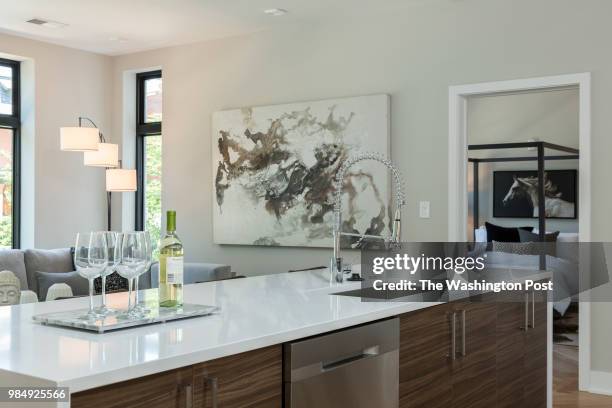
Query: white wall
{"points": [[412, 55], [61, 196], [550, 116]]}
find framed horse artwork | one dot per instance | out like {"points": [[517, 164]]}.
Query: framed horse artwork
{"points": [[515, 194]]}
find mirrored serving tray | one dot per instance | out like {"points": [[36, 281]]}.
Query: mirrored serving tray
{"points": [[74, 318]]}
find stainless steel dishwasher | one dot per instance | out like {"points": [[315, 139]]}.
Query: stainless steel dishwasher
{"points": [[353, 368]]}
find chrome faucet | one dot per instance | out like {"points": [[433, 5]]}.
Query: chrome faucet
{"points": [[336, 261]]}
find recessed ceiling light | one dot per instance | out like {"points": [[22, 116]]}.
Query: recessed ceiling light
{"points": [[276, 12], [47, 23], [118, 39]]}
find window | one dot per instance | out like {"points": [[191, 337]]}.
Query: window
{"points": [[152, 102], [149, 154], [9, 154]]}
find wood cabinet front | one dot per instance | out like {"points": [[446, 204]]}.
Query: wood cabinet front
{"points": [[474, 366], [447, 356], [425, 352], [247, 380], [534, 374], [486, 352], [170, 389], [511, 323], [522, 350]]}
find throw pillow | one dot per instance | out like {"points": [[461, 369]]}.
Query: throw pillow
{"points": [[528, 236], [77, 283], [518, 248], [50, 260], [549, 246], [503, 234]]}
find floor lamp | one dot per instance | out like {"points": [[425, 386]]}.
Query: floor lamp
{"points": [[99, 153]]}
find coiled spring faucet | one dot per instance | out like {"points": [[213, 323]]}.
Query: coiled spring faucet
{"points": [[336, 261]]}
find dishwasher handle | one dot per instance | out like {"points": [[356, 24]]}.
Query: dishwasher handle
{"points": [[321, 367], [339, 350], [332, 365]]}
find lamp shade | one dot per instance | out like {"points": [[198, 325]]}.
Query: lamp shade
{"points": [[107, 155], [79, 139], [121, 180]]}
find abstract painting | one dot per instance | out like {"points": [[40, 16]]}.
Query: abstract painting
{"points": [[273, 171]]}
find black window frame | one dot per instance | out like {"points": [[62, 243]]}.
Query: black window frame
{"points": [[143, 129], [13, 122]]}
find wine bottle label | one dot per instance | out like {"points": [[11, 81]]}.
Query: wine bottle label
{"points": [[174, 270]]}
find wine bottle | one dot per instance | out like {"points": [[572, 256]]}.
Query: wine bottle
{"points": [[171, 265]]}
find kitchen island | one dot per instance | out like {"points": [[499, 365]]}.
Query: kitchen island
{"points": [[258, 315]]}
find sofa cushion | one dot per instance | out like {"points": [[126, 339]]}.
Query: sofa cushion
{"points": [[12, 260], [196, 272], [144, 280], [78, 284], [48, 260]]}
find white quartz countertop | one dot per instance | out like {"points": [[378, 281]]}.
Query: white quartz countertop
{"points": [[255, 312]]}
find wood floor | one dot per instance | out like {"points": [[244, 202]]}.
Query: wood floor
{"points": [[565, 382]]}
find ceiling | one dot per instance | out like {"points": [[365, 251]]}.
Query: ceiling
{"points": [[116, 27], [550, 115]]}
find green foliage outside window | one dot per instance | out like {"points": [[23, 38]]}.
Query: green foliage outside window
{"points": [[6, 221], [153, 173], [6, 232]]}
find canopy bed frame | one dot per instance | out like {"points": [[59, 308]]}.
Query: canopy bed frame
{"points": [[541, 158]]}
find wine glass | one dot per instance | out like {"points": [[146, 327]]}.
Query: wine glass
{"points": [[113, 242], [90, 259], [141, 307], [133, 260]]}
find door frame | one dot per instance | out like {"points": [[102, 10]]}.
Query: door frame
{"points": [[457, 181]]}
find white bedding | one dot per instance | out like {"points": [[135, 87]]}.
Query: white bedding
{"points": [[481, 235], [564, 271]]}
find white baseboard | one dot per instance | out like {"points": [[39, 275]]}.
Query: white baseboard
{"points": [[601, 383]]}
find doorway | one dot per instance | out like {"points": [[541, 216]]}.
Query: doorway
{"points": [[458, 203]]}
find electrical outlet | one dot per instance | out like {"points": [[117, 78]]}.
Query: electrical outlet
{"points": [[424, 209]]}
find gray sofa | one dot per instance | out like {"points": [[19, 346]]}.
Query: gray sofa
{"points": [[44, 267], [26, 263], [195, 272]]}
